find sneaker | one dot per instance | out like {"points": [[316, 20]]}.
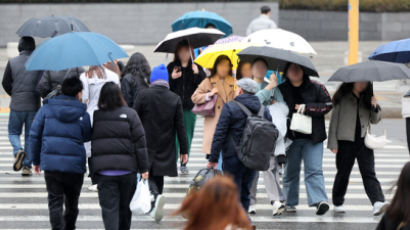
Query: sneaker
{"points": [[158, 211], [26, 171], [184, 170], [93, 188], [252, 210], [278, 208], [322, 208], [290, 208], [379, 208], [18, 162], [339, 209]]}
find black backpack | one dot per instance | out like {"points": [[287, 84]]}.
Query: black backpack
{"points": [[258, 140]]}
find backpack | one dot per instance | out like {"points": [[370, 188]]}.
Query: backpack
{"points": [[201, 178], [258, 140]]}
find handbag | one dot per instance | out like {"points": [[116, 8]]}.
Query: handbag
{"points": [[375, 142], [301, 123], [141, 201], [206, 109]]}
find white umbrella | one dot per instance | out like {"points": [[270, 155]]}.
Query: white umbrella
{"points": [[281, 39], [196, 37]]}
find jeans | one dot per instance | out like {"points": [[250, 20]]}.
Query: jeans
{"points": [[115, 195], [15, 127], [242, 176], [312, 156], [347, 154], [63, 188]]}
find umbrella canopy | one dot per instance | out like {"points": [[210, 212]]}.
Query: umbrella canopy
{"points": [[281, 39], [277, 58], [395, 51], [74, 49], [202, 18], [51, 26], [196, 37], [229, 39], [371, 71], [210, 54]]}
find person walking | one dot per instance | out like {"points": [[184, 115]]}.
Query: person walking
{"points": [[221, 85], [135, 77], [93, 80], [218, 201], [118, 153], [397, 215], [185, 77], [161, 114], [50, 83], [57, 138], [262, 22], [299, 91], [21, 84], [230, 128], [355, 108], [244, 70]]}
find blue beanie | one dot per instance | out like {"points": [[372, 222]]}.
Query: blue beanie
{"points": [[159, 73]]}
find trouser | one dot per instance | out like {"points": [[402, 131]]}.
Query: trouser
{"points": [[348, 152], [156, 184], [16, 122], [242, 176], [63, 188], [189, 123], [271, 180], [408, 132], [115, 195], [312, 156]]}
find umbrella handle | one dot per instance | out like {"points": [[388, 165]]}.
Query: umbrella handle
{"points": [[190, 51]]}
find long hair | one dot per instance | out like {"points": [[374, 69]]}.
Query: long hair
{"points": [[215, 206], [306, 78], [239, 74], [180, 45], [399, 208], [347, 88], [99, 71], [138, 67], [110, 97], [217, 61]]}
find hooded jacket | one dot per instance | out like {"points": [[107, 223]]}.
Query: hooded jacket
{"points": [[58, 133], [231, 123]]}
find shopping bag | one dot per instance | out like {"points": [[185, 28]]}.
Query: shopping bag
{"points": [[141, 201]]}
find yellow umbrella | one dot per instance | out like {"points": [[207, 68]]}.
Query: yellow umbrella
{"points": [[210, 54]]}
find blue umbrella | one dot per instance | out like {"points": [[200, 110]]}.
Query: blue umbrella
{"points": [[74, 49], [201, 19], [395, 51]]}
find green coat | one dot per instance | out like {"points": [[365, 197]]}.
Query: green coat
{"points": [[343, 120]]}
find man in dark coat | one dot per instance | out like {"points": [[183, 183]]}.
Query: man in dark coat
{"points": [[21, 84], [161, 114], [230, 127], [51, 81]]}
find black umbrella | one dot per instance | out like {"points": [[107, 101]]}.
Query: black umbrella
{"points": [[277, 58], [51, 26], [196, 37], [371, 71]]}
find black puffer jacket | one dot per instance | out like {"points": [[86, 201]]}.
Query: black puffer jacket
{"points": [[318, 103], [118, 141], [186, 85]]}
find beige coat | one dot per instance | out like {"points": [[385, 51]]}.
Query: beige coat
{"points": [[226, 93]]}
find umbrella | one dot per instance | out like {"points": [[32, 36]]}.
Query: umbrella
{"points": [[210, 54], [196, 37], [395, 51], [371, 71], [202, 18], [229, 39], [74, 49], [282, 39], [277, 58], [51, 26]]}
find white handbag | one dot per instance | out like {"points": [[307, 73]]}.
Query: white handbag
{"points": [[375, 142], [301, 123]]}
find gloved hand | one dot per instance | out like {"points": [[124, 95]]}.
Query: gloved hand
{"points": [[281, 159]]}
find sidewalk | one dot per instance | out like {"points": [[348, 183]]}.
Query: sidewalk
{"points": [[331, 56]]}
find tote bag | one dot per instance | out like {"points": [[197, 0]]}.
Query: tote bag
{"points": [[301, 123]]}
